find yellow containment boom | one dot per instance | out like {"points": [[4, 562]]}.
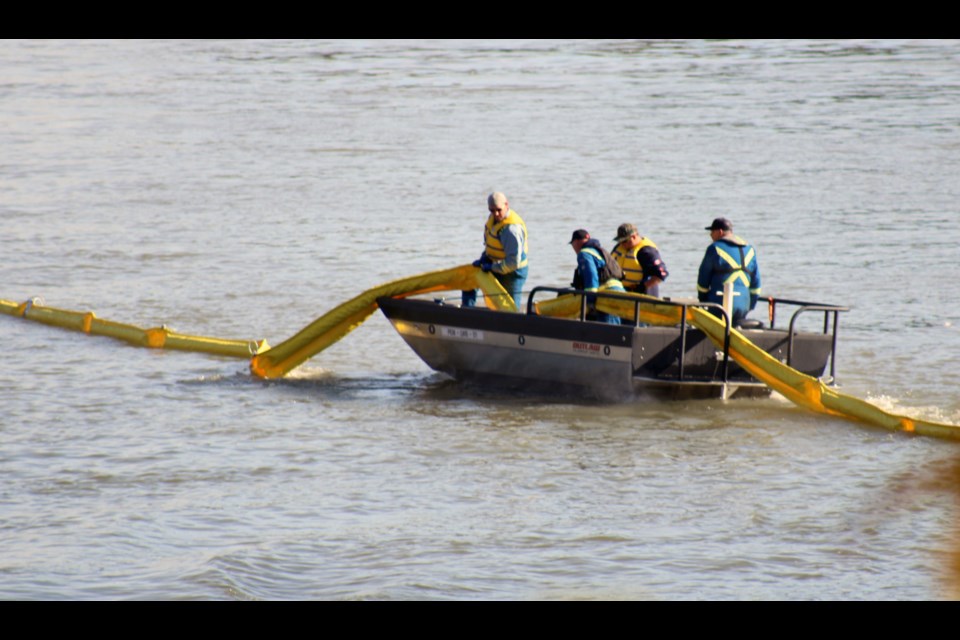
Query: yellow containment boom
{"points": [[807, 391], [797, 387], [340, 321], [158, 338], [276, 362], [280, 360]]}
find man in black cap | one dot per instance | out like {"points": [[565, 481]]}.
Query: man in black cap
{"points": [[729, 260], [596, 271], [643, 268]]}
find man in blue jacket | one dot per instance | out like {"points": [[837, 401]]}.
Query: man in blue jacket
{"points": [[729, 259], [593, 273]]}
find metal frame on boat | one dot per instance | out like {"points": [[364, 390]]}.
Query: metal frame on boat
{"points": [[560, 355]]}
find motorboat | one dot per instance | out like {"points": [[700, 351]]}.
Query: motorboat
{"points": [[562, 355]]}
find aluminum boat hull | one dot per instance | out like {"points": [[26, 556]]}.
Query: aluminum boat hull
{"points": [[560, 355]]}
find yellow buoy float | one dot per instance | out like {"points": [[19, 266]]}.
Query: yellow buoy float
{"points": [[156, 338]]}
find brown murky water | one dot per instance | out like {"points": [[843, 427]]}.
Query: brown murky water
{"points": [[242, 188]]}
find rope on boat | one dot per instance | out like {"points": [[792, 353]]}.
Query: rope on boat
{"points": [[267, 362]]}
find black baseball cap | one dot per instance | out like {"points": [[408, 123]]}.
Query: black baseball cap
{"points": [[720, 223]]}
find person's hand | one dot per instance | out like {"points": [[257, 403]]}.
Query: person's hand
{"points": [[486, 266], [478, 263]]}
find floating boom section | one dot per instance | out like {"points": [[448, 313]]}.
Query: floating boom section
{"points": [[157, 338], [807, 391], [278, 361], [338, 322], [801, 389]]}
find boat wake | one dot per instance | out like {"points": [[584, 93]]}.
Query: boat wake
{"points": [[893, 405]]}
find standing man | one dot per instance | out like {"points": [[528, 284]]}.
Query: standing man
{"points": [[505, 249], [729, 260], [593, 273], [643, 268]]}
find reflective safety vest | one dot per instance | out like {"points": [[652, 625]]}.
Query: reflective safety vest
{"points": [[627, 259], [736, 266], [730, 260], [491, 237], [606, 282]]}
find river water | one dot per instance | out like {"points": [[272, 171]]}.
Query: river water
{"points": [[240, 189]]}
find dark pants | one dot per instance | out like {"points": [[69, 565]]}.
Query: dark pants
{"points": [[652, 291]]}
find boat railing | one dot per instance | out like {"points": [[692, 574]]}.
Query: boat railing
{"points": [[682, 304], [829, 311]]}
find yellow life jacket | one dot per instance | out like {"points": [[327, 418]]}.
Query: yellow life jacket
{"points": [[491, 237], [627, 259]]}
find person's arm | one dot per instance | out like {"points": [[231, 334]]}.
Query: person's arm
{"points": [[512, 238], [754, 283], [705, 274], [654, 270], [587, 266]]}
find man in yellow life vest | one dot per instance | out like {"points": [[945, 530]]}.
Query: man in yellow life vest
{"points": [[505, 249], [643, 268]]}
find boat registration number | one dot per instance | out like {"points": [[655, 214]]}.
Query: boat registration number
{"points": [[459, 333]]}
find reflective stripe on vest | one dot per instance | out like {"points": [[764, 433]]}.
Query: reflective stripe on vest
{"points": [[611, 282], [737, 270]]}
